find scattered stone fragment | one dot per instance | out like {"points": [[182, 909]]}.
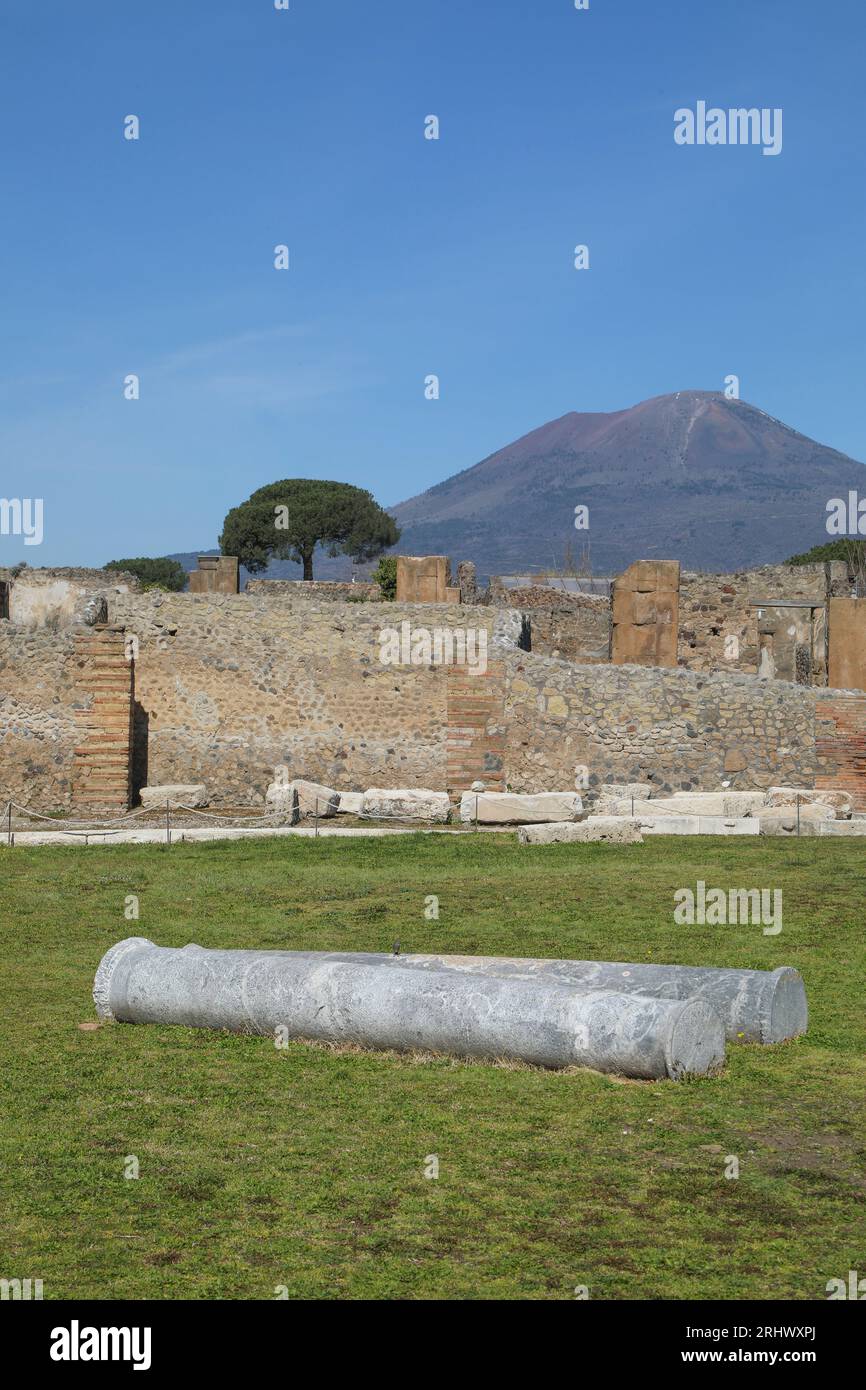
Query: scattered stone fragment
{"points": [[175, 793], [616, 830], [380, 803], [315, 799], [697, 825], [787, 796], [512, 808]]}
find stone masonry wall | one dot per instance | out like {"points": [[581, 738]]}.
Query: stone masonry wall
{"points": [[677, 729], [52, 597], [227, 687], [572, 627], [336, 591], [38, 727], [717, 607]]}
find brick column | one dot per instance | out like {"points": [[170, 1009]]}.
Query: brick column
{"points": [[475, 741], [841, 745], [104, 703]]}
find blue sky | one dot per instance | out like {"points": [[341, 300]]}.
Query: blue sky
{"points": [[408, 256]]}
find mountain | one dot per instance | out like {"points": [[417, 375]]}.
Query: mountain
{"points": [[715, 483]]}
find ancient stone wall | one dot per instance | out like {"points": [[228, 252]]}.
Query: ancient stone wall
{"points": [[677, 729], [54, 597], [573, 627], [38, 728], [333, 591], [227, 687], [719, 627]]}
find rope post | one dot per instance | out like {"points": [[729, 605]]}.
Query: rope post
{"points": [[317, 818], [9, 825], [632, 806], [167, 824], [476, 813], [798, 813]]}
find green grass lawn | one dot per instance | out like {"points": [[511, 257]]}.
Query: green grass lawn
{"points": [[304, 1167]]}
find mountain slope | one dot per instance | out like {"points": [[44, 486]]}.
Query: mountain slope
{"points": [[715, 483]]}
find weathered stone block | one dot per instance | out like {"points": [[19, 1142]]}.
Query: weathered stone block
{"points": [[840, 802], [735, 760], [622, 607], [784, 821], [175, 793], [511, 808], [422, 578], [856, 826], [640, 790], [646, 576], [722, 803], [644, 608], [698, 825], [315, 799], [282, 799], [615, 830], [405, 804], [351, 803]]}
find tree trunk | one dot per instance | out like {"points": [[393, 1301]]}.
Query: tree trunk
{"points": [[307, 556]]}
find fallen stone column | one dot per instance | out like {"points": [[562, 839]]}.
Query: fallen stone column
{"points": [[355, 998], [765, 1006]]}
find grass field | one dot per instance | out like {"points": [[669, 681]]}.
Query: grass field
{"points": [[304, 1168]]}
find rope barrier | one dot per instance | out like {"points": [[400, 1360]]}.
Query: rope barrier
{"points": [[106, 825]]}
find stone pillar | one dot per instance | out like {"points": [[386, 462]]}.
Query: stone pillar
{"points": [[467, 581], [847, 644], [216, 574], [422, 579], [646, 614]]}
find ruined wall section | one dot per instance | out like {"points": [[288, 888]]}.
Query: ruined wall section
{"points": [[719, 627], [39, 731], [571, 627], [227, 687], [54, 598], [334, 591], [676, 729]]}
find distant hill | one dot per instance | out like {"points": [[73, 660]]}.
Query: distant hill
{"points": [[714, 483], [324, 567]]}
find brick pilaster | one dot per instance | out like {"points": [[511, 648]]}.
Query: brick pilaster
{"points": [[841, 745], [475, 741], [104, 702]]}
